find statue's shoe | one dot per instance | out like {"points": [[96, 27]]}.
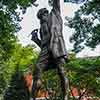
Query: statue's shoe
{"points": [[66, 98]]}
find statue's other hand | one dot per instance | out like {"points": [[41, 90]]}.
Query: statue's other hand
{"points": [[34, 34]]}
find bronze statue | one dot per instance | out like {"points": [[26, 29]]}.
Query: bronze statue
{"points": [[53, 52]]}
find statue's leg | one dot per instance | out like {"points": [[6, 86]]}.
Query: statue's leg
{"points": [[40, 67], [36, 80], [63, 78]]}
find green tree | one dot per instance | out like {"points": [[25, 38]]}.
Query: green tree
{"points": [[9, 24], [17, 89], [86, 23], [9, 49], [84, 74], [20, 57]]}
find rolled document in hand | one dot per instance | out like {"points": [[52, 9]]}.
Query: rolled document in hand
{"points": [[74, 1]]}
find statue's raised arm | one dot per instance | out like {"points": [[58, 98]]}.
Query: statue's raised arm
{"points": [[56, 5]]}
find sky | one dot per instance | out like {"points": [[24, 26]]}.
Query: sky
{"points": [[30, 22]]}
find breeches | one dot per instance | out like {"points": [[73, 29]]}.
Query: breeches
{"points": [[46, 61]]}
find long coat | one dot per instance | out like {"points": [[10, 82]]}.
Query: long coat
{"points": [[57, 45]]}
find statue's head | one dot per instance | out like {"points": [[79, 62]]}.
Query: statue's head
{"points": [[43, 14], [50, 2]]}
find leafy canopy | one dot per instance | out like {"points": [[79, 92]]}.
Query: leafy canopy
{"points": [[86, 23]]}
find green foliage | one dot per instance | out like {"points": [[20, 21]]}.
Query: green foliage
{"points": [[86, 23], [17, 89], [12, 54], [20, 57], [9, 23], [23, 56], [52, 81], [84, 73]]}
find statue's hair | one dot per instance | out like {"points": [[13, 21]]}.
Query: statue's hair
{"points": [[41, 12]]}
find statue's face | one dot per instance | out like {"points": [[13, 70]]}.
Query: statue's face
{"points": [[50, 2], [45, 16]]}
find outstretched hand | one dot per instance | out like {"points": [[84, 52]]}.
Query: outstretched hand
{"points": [[33, 2]]}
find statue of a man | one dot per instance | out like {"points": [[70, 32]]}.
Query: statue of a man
{"points": [[53, 52]]}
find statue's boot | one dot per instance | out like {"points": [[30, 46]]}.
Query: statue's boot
{"points": [[35, 88], [66, 98], [65, 88]]}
